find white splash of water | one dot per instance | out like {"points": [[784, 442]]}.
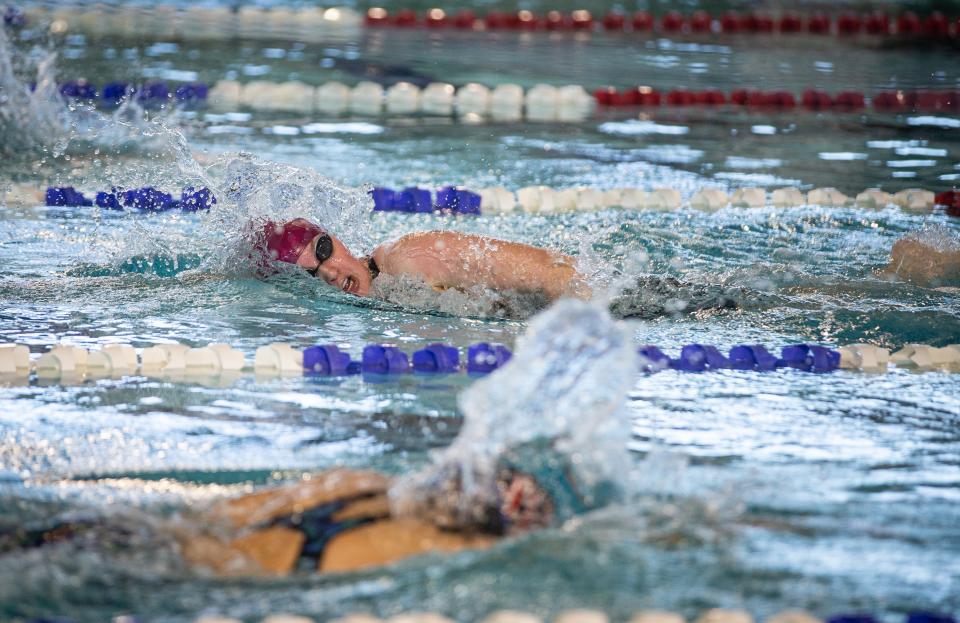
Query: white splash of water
{"points": [[250, 191], [29, 119], [567, 383], [476, 301]]}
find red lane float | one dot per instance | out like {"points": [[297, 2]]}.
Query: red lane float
{"points": [[950, 200], [811, 99], [878, 23], [936, 25]]}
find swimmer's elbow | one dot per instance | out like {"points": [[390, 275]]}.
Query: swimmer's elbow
{"points": [[570, 284]]}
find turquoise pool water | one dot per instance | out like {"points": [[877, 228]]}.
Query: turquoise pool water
{"points": [[831, 492]]}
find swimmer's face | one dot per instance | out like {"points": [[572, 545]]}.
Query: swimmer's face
{"points": [[341, 270], [523, 503]]}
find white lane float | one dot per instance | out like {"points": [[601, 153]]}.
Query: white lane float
{"points": [[914, 200], [294, 96], [511, 616], [366, 98], [286, 618], [332, 98], [213, 359], [589, 199], [865, 357], [437, 99], [787, 197], [574, 103], [278, 358], [632, 198], [662, 199], [749, 197], [541, 103], [153, 359], [225, 96], [581, 615], [657, 616], [357, 617], [53, 366], [259, 95], [827, 197], [123, 358], [14, 360], [403, 98], [565, 200], [724, 615], [506, 102], [420, 617], [709, 200], [472, 99], [873, 198], [497, 200], [793, 616], [537, 199], [176, 356]]}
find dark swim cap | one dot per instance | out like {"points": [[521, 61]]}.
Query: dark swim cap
{"points": [[554, 472], [284, 242]]}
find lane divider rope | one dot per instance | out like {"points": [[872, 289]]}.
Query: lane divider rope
{"points": [[582, 615], [935, 25], [377, 360], [539, 199], [315, 23], [505, 102]]}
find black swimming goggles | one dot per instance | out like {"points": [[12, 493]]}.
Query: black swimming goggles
{"points": [[322, 251]]}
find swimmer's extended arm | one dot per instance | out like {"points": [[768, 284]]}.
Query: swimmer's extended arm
{"points": [[452, 260], [275, 549], [915, 261]]}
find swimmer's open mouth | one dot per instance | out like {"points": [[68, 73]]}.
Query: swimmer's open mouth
{"points": [[349, 285]]}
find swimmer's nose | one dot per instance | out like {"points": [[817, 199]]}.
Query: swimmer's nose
{"points": [[330, 274]]}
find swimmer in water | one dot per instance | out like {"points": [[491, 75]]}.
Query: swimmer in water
{"points": [[443, 259], [913, 259], [347, 520]]}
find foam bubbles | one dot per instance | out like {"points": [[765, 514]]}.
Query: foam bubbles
{"points": [[567, 382]]}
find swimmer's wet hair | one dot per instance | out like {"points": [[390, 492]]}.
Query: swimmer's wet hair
{"points": [[443, 496]]}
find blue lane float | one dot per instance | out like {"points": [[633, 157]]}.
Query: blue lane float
{"points": [[385, 360], [66, 196], [378, 359], [146, 199], [327, 360], [752, 357], [483, 357], [704, 358], [413, 199], [437, 358], [148, 94]]}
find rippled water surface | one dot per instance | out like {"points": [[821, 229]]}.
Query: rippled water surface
{"points": [[834, 492]]}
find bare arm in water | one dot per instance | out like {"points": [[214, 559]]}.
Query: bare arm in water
{"points": [[457, 260], [912, 260], [336, 521]]}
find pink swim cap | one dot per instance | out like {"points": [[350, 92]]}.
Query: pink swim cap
{"points": [[285, 242]]}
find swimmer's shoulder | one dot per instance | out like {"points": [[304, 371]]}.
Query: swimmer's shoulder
{"points": [[410, 247]]}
